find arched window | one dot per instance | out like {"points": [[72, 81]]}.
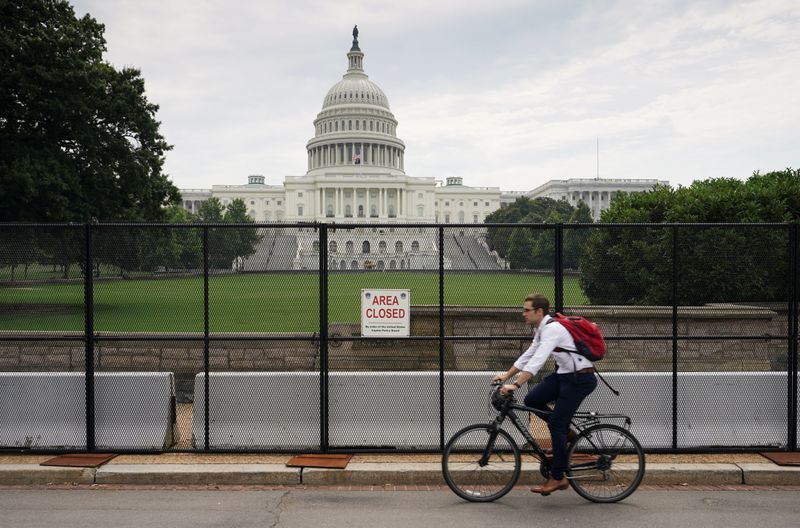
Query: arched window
{"points": [[361, 211], [333, 264], [354, 265], [373, 211], [393, 265], [348, 211], [415, 246], [382, 247], [365, 247], [370, 126], [380, 264], [391, 212], [329, 212], [299, 210], [447, 218], [402, 264], [350, 125], [332, 246], [420, 211], [461, 217], [336, 126], [315, 246], [398, 247], [348, 247], [356, 125], [343, 265]]}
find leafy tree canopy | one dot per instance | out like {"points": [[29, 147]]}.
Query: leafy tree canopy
{"points": [[78, 139], [633, 265]]}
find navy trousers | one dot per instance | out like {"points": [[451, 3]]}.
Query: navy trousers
{"points": [[567, 391]]}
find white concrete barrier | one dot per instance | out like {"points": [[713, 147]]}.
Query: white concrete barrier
{"points": [[134, 410], [714, 409], [401, 409]]}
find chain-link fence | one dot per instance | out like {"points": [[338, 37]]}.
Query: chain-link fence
{"points": [[248, 337]]}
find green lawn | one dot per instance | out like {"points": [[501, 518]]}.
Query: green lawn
{"points": [[265, 302]]}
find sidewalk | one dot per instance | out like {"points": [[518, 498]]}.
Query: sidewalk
{"points": [[363, 470]]}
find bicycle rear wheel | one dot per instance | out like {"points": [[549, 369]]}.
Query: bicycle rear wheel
{"points": [[606, 463], [478, 480]]}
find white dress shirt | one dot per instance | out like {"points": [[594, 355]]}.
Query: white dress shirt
{"points": [[547, 338]]}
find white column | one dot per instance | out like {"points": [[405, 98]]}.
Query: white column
{"points": [[366, 205]]}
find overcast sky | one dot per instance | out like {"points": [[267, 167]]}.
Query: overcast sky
{"points": [[502, 93]]}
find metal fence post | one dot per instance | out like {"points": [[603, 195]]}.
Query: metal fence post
{"points": [[794, 270], [323, 336], [441, 337], [88, 294], [206, 340], [674, 337], [559, 268]]}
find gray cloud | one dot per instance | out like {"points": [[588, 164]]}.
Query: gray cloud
{"points": [[507, 94]]}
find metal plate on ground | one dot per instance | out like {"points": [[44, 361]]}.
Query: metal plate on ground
{"points": [[320, 461], [79, 460], [783, 459]]}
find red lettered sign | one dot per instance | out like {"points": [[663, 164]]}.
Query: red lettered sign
{"points": [[385, 313]]}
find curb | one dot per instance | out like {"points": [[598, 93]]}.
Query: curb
{"points": [[364, 474]]}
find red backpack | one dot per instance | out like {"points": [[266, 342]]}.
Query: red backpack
{"points": [[586, 334]]}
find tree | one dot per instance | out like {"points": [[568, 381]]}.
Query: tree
{"points": [[78, 139], [541, 242], [633, 265], [520, 246]]}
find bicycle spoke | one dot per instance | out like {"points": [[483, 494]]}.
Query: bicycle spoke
{"points": [[471, 480]]}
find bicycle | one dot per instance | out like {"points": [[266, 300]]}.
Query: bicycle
{"points": [[482, 462]]}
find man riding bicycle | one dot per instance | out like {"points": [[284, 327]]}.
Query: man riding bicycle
{"points": [[568, 386]]}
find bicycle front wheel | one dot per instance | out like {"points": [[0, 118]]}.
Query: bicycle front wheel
{"points": [[480, 465], [606, 463]]}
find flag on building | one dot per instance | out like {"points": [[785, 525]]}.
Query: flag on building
{"points": [[356, 159]]}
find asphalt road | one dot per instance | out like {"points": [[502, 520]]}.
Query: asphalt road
{"points": [[291, 507]]}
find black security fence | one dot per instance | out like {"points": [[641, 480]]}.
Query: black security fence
{"points": [[248, 337]]}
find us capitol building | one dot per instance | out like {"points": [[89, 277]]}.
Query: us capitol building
{"points": [[356, 175]]}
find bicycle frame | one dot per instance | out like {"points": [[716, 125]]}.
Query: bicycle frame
{"points": [[580, 421]]}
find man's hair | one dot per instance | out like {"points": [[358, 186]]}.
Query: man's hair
{"points": [[538, 300]]}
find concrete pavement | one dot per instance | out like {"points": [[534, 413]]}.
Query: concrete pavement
{"points": [[423, 470]]}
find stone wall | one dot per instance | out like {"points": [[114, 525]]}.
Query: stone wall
{"points": [[185, 357]]}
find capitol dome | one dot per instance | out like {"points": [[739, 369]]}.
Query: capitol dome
{"points": [[355, 127]]}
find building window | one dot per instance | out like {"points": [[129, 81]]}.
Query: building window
{"points": [[315, 246], [419, 195], [252, 202], [420, 211], [332, 246], [382, 247], [299, 195], [348, 247], [373, 211], [391, 212], [447, 204], [487, 204], [354, 265], [475, 204], [361, 211], [415, 246], [398, 247], [461, 217], [474, 219], [279, 202], [365, 247], [447, 218], [299, 210], [348, 211], [392, 264]]}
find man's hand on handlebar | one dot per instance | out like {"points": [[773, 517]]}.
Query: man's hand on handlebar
{"points": [[500, 378], [508, 389]]}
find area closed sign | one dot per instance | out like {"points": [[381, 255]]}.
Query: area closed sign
{"points": [[385, 313]]}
